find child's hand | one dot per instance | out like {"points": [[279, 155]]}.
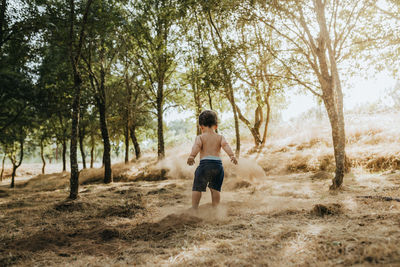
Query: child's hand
{"points": [[190, 161], [234, 160]]}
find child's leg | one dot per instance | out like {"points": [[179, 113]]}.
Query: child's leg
{"points": [[196, 196], [215, 196]]}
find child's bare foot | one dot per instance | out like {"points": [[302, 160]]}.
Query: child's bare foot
{"points": [[192, 211]]}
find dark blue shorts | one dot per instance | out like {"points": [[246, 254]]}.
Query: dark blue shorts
{"points": [[209, 173]]}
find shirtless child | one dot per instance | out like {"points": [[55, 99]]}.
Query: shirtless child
{"points": [[210, 172]]}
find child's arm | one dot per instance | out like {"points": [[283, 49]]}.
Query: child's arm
{"points": [[225, 146], [195, 150]]}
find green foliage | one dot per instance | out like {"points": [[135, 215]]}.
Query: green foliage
{"points": [[151, 55]]}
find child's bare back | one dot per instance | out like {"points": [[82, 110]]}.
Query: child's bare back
{"points": [[209, 143]]}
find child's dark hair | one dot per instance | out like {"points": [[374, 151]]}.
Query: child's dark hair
{"points": [[208, 118]]}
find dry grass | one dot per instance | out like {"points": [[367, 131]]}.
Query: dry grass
{"points": [[279, 220], [372, 143], [276, 210]]}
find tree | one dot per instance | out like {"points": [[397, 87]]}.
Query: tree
{"points": [[43, 136], [13, 139], [55, 87], [2, 166], [99, 56], [259, 74], [12, 154], [18, 96], [202, 80], [320, 40], [133, 103], [154, 30], [225, 53], [17, 25], [86, 119], [75, 43]]}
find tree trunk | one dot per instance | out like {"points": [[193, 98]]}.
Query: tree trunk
{"points": [[126, 135], [42, 157], [209, 99], [64, 153], [81, 146], [198, 111], [91, 150], [332, 93], [14, 171], [160, 123], [63, 143], [337, 138], [253, 130], [235, 116], [267, 96], [135, 141], [128, 112], [2, 167], [210, 103], [197, 102], [74, 55], [106, 141], [231, 99], [74, 178], [15, 164]]}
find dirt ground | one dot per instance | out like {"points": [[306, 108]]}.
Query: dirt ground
{"points": [[267, 220]]}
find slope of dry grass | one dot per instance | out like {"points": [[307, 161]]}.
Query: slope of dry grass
{"points": [[372, 143], [276, 210]]}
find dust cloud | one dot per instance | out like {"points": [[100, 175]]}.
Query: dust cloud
{"points": [[175, 164]]}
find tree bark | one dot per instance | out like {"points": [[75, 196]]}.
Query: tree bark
{"points": [[160, 122], [98, 85], [128, 120], [253, 130], [338, 143], [91, 150], [42, 157], [196, 98], [75, 55], [106, 141], [81, 146], [74, 178], [135, 142], [14, 171], [267, 96], [332, 94], [198, 110], [15, 164], [209, 99], [64, 154], [231, 98], [126, 135], [63, 142], [2, 167]]}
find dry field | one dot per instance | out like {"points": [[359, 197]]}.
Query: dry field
{"points": [[276, 210]]}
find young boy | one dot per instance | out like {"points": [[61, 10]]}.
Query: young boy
{"points": [[210, 172]]}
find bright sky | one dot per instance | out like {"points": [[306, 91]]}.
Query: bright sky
{"points": [[361, 91]]}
